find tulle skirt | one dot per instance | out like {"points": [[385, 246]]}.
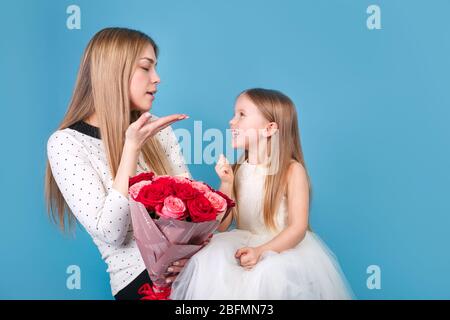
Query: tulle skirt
{"points": [[307, 271]]}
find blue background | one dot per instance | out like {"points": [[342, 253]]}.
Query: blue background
{"points": [[373, 112]]}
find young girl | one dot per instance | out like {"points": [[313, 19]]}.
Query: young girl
{"points": [[273, 254]]}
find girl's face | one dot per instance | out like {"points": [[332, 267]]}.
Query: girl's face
{"points": [[248, 125], [144, 81]]}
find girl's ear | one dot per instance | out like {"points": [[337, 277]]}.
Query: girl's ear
{"points": [[270, 129]]}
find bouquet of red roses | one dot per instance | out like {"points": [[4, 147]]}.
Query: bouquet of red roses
{"points": [[172, 217]]}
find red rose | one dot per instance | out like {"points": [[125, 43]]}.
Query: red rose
{"points": [[200, 209], [154, 194], [134, 190], [185, 191], [145, 176], [164, 179], [230, 203]]}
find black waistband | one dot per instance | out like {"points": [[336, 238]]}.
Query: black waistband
{"points": [[130, 292]]}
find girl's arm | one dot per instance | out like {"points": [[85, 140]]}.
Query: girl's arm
{"points": [[225, 173], [227, 189], [298, 208]]}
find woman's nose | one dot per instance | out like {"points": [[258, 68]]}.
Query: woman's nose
{"points": [[155, 78]]}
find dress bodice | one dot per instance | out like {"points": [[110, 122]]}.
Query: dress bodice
{"points": [[250, 180]]}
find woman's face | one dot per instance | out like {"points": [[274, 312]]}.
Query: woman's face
{"points": [[144, 81]]}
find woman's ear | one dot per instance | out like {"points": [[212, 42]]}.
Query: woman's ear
{"points": [[270, 129]]}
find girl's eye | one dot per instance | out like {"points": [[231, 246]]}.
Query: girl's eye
{"points": [[241, 114], [146, 69]]}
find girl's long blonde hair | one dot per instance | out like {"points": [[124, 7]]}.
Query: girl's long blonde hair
{"points": [[283, 148], [102, 86]]}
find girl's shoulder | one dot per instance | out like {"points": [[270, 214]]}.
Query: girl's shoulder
{"points": [[295, 165], [296, 172]]}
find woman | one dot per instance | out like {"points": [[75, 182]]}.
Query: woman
{"points": [[106, 136]]}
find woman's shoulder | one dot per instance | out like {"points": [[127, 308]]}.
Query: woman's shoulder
{"points": [[65, 140], [60, 136], [79, 132]]}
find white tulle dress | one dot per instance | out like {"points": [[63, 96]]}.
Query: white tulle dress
{"points": [[307, 271]]}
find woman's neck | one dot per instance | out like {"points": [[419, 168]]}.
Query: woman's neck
{"points": [[92, 120]]}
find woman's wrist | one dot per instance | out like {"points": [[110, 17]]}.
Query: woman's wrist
{"points": [[127, 167], [130, 146]]}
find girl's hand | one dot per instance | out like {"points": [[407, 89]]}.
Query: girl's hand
{"points": [[248, 257], [143, 128], [224, 170]]}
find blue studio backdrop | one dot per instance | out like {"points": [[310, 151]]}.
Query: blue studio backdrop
{"points": [[373, 106]]}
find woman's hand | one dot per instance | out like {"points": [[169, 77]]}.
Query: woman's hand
{"points": [[143, 128], [135, 137], [175, 269], [248, 257], [177, 266], [224, 170]]}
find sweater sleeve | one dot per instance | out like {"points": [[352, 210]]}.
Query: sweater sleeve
{"points": [[101, 210]]}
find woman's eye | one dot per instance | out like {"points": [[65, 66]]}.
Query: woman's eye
{"points": [[146, 69], [241, 114]]}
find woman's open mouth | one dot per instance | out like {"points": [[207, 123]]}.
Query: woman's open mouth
{"points": [[151, 94]]}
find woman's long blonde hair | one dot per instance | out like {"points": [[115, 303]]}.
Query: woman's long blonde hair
{"points": [[283, 148], [102, 86]]}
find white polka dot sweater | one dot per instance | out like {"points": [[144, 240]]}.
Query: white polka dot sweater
{"points": [[80, 167]]}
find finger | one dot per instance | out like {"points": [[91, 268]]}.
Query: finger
{"points": [[245, 261], [170, 279], [240, 252], [142, 120], [180, 263], [157, 125], [169, 119], [248, 262], [174, 269], [221, 160]]}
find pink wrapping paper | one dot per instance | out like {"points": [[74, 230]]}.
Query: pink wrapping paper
{"points": [[163, 241]]}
